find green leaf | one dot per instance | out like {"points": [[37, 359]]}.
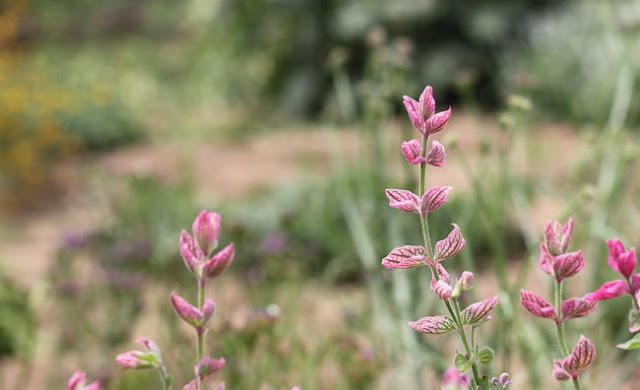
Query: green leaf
{"points": [[485, 356], [168, 380], [462, 363], [634, 343]]}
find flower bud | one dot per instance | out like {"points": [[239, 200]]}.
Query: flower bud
{"points": [[206, 229], [136, 360]]}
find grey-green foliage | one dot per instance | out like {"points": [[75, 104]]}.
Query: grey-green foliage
{"points": [[17, 321], [574, 57]]}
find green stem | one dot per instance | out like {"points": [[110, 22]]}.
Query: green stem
{"points": [[163, 377], [451, 304], [562, 342], [200, 334]]}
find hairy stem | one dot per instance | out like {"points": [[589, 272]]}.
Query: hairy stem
{"points": [[562, 342], [451, 304], [200, 354]]}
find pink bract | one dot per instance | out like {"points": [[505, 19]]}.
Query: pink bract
{"points": [[609, 290], [478, 311], [411, 150], [581, 357], [561, 266], [421, 113], [403, 200], [451, 245], [620, 260], [77, 382], [557, 237], [434, 198], [206, 228], [537, 305], [433, 325], [436, 155], [218, 263], [407, 256]]}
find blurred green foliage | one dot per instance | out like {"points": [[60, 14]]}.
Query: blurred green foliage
{"points": [[576, 77], [18, 323]]}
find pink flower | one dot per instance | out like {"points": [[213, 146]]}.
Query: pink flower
{"points": [[198, 318], [557, 237], [571, 308], [206, 229], [421, 113], [561, 266], [580, 358], [77, 382], [453, 378], [621, 261]]}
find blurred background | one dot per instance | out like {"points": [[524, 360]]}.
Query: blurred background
{"points": [[121, 120]]}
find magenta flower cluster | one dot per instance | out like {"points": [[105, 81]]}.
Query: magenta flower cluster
{"points": [[424, 118], [560, 264], [623, 262]]}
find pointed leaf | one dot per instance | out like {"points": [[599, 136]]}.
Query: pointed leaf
{"points": [[633, 343], [634, 321], [567, 265], [608, 290], [413, 109], [451, 245], [403, 200], [433, 325], [408, 256], [478, 311], [426, 102], [462, 363]]}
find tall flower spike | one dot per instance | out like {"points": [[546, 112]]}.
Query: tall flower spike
{"points": [[580, 358]]}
